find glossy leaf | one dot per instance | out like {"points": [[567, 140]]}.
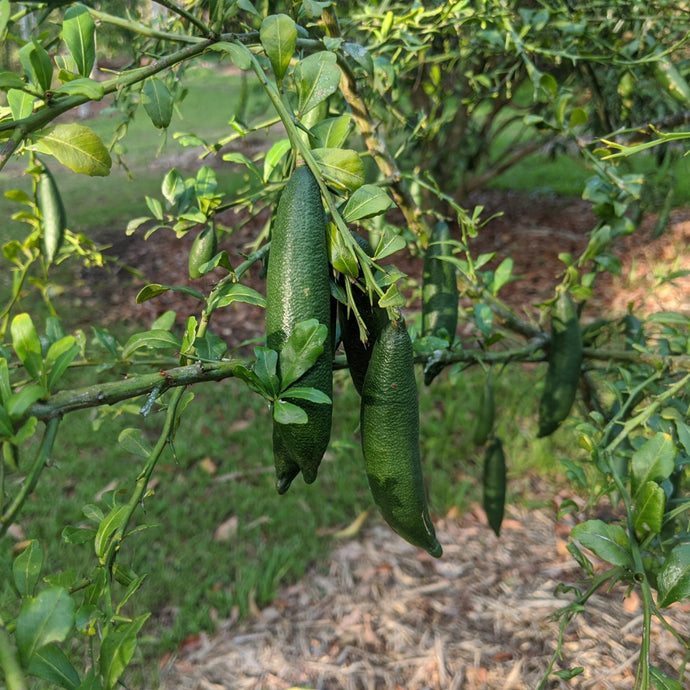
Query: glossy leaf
{"points": [[21, 103], [26, 569], [117, 650], [131, 440], [158, 102], [340, 255], [77, 147], [37, 64], [333, 131], [648, 508], [653, 461], [316, 77], [673, 580], [108, 526], [287, 413], [154, 289], [663, 682], [78, 33], [236, 292], [47, 618], [156, 339], [301, 350], [20, 402], [274, 155], [342, 168], [89, 88], [52, 664], [239, 54], [366, 202], [9, 80], [266, 368], [608, 542], [307, 393], [278, 35], [26, 344]]}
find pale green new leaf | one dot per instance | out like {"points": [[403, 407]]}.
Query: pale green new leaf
{"points": [[77, 147], [108, 526], [288, 413], [648, 508], [131, 440], [21, 104], [88, 88], [156, 339], [78, 32], [26, 344], [117, 650], [278, 35], [333, 131], [307, 393]]}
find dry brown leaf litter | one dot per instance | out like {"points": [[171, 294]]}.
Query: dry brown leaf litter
{"points": [[382, 614]]}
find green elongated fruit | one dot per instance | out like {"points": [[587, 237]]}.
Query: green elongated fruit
{"points": [[485, 414], [204, 248], [53, 214], [297, 289], [565, 361], [494, 484], [389, 417], [439, 286], [358, 352]]}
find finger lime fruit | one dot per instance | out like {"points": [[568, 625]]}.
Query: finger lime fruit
{"points": [[297, 289], [389, 417], [565, 361], [439, 286], [358, 351], [204, 248], [53, 214], [494, 484]]}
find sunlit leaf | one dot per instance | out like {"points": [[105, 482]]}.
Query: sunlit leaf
{"points": [[77, 147], [608, 542], [278, 35], [674, 579], [78, 32]]}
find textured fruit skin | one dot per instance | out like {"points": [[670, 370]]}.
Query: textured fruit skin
{"points": [[389, 417], [565, 361], [357, 352], [297, 289], [53, 214], [485, 414], [204, 248], [494, 484], [439, 285]]}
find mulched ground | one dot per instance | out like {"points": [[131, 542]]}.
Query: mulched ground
{"points": [[381, 614]]}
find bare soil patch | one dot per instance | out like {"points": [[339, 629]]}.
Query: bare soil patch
{"points": [[379, 613]]}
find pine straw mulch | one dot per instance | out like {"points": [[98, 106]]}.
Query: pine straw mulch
{"points": [[382, 614]]}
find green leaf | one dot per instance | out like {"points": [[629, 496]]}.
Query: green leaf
{"points": [[608, 542], [648, 508], [278, 35], [274, 156], [287, 413], [483, 318], [77, 147], [9, 80], [301, 350], [663, 682], [27, 344], [674, 579], [154, 289], [253, 382], [653, 461], [392, 298], [206, 181], [340, 255], [108, 526], [117, 650], [389, 243], [77, 535], [503, 275], [51, 663], [317, 76], [44, 619], [26, 569], [88, 88], [156, 339], [158, 102], [6, 427], [238, 53], [37, 64], [333, 131], [236, 292], [78, 33], [21, 104], [5, 14], [366, 202], [266, 368], [131, 441], [60, 355], [307, 393], [342, 168]]}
